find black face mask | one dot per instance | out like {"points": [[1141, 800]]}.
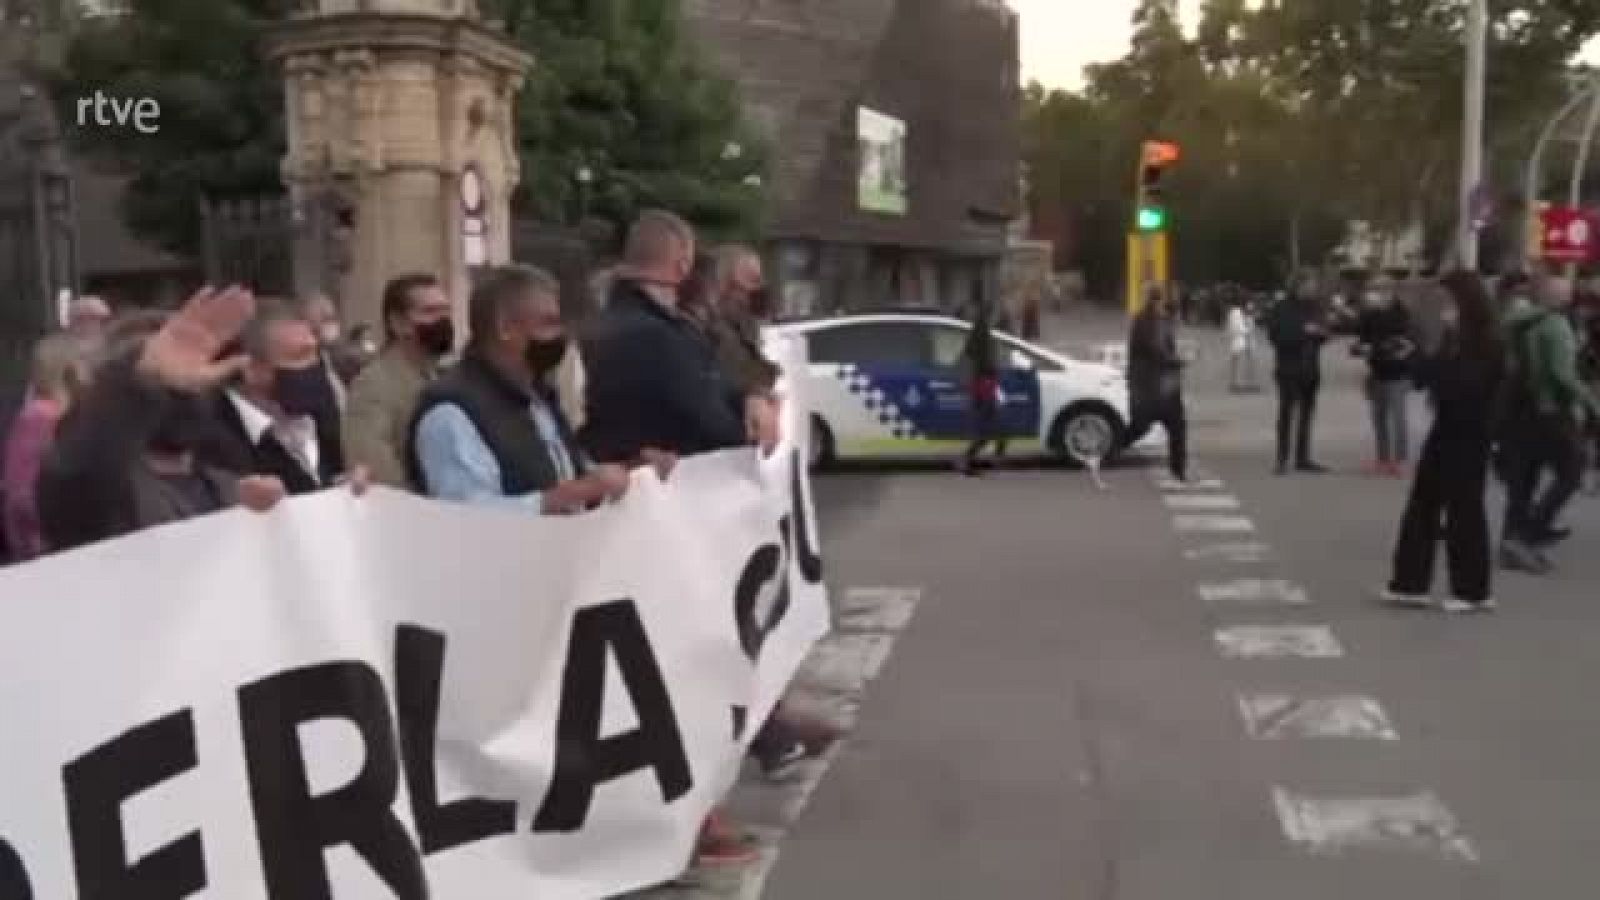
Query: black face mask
{"points": [[761, 304], [304, 392], [437, 338], [544, 356], [181, 426]]}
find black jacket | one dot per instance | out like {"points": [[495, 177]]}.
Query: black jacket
{"points": [[498, 409], [1464, 389], [1154, 365], [94, 484], [226, 445], [1390, 346], [654, 381], [1299, 353]]}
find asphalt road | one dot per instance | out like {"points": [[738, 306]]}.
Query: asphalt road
{"points": [[1092, 702]]}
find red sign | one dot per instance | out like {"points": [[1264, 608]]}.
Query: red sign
{"points": [[1568, 234]]}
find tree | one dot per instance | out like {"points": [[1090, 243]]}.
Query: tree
{"points": [[618, 93], [221, 128], [615, 90]]}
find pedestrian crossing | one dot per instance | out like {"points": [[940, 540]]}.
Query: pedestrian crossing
{"points": [[1267, 619]]}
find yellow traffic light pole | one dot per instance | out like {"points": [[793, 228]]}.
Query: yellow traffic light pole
{"points": [[1149, 249]]}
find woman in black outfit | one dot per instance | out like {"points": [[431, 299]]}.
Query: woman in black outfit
{"points": [[1447, 495]]}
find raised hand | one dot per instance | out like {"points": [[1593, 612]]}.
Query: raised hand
{"points": [[183, 354]]}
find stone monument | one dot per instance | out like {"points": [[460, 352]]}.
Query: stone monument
{"points": [[401, 144]]}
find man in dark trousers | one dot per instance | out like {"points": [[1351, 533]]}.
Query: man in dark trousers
{"points": [[1155, 378], [655, 384], [1297, 330], [272, 419]]}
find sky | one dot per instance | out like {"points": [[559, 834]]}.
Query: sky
{"points": [[1060, 37]]}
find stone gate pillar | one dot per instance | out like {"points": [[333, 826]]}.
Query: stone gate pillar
{"points": [[401, 145]]}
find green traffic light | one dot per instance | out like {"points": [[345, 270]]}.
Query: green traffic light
{"points": [[1152, 218]]}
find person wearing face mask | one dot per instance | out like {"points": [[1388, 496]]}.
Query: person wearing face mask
{"points": [[739, 305], [273, 418], [1384, 339], [383, 399], [123, 457], [490, 432], [655, 381]]}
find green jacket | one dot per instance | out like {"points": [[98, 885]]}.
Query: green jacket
{"points": [[1546, 345]]}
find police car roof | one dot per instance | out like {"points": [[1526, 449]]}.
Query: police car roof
{"points": [[803, 325]]}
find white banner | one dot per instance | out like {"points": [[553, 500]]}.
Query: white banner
{"points": [[390, 697]]}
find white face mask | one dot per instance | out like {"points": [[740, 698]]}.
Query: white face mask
{"points": [[329, 332]]}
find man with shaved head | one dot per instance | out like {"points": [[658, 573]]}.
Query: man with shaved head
{"points": [[655, 382]]}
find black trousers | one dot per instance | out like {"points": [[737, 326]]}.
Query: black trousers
{"points": [[1297, 409], [1447, 501], [985, 425], [1173, 417], [1540, 442]]}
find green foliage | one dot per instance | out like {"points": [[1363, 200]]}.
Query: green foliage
{"points": [[221, 128], [615, 90], [1294, 118]]}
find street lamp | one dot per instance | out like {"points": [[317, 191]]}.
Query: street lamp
{"points": [[585, 178], [1472, 132]]}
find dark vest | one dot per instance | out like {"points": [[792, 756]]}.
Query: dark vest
{"points": [[499, 410]]}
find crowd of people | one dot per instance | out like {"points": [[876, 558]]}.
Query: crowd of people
{"points": [[1512, 374], [146, 418]]}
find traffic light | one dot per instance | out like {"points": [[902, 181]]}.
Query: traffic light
{"points": [[1151, 207]]}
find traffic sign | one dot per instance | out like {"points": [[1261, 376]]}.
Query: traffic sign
{"points": [[1568, 234]]}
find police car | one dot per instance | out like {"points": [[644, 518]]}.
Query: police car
{"points": [[892, 386]]}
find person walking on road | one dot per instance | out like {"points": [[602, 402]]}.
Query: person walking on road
{"points": [[1384, 339], [1546, 405], [983, 392], [1241, 329], [1155, 378], [1447, 496], [1297, 331]]}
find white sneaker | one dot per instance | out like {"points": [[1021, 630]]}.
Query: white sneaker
{"points": [[1457, 605], [1409, 601]]}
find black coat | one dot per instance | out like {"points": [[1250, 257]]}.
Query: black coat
{"points": [[226, 445], [1154, 364], [1384, 333], [94, 484], [654, 381], [1298, 352]]}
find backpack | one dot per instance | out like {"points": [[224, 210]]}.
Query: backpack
{"points": [[1517, 399]]}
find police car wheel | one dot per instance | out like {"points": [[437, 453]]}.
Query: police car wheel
{"points": [[1086, 432], [820, 448]]}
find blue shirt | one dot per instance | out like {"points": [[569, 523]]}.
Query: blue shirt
{"points": [[461, 468]]}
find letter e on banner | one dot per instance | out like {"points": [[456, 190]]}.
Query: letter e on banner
{"points": [[99, 782]]}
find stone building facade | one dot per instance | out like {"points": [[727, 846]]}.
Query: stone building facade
{"points": [[948, 69]]}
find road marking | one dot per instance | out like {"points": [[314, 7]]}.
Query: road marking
{"points": [[876, 609], [1278, 642], [1329, 826], [1173, 486], [1278, 717], [1230, 553], [1255, 592], [1201, 502], [1200, 524]]}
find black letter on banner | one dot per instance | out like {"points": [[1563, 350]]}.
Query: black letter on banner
{"points": [[96, 785], [419, 677], [14, 884], [292, 826], [807, 553], [583, 758], [764, 568]]}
